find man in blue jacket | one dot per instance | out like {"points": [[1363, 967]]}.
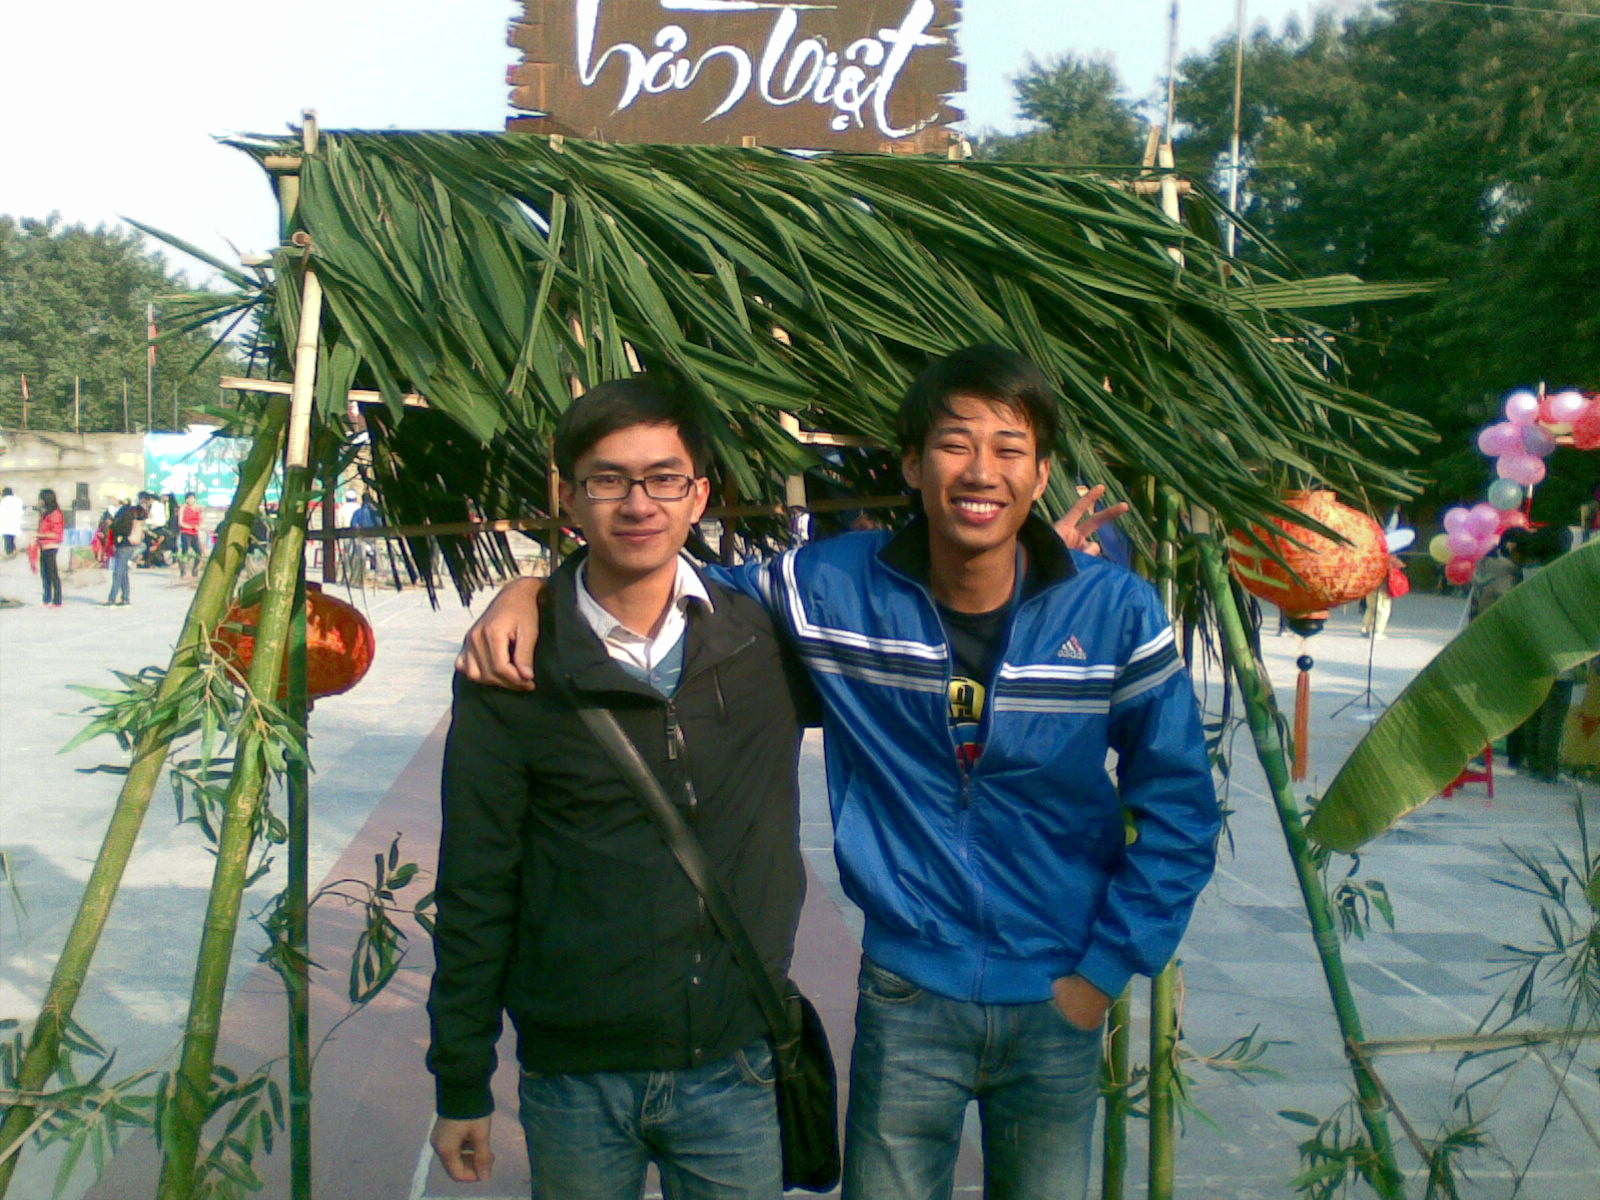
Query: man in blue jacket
{"points": [[976, 676]]}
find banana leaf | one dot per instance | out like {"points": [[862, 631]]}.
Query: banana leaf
{"points": [[1486, 682]]}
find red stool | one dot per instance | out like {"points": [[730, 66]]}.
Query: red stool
{"points": [[1468, 775]]}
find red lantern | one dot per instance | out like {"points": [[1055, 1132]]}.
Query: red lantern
{"points": [[339, 644], [1330, 573]]}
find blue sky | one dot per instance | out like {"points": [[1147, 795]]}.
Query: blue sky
{"points": [[110, 109]]}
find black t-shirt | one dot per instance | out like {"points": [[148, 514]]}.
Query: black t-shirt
{"points": [[977, 642]]}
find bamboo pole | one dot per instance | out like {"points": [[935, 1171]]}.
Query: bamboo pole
{"points": [[305, 374], [192, 1081], [1114, 1140], [1162, 1149], [133, 801], [329, 514], [297, 906], [297, 886], [1261, 711], [1163, 1152]]}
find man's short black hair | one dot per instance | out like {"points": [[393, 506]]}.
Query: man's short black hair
{"points": [[621, 404], [996, 374]]}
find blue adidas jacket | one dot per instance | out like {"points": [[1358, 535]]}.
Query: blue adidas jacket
{"points": [[990, 884]]}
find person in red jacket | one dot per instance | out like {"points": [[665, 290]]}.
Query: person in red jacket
{"points": [[189, 517], [52, 530]]}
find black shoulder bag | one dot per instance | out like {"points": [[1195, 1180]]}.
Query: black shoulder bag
{"points": [[808, 1103]]}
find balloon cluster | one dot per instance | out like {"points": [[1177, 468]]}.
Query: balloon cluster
{"points": [[1519, 445]]}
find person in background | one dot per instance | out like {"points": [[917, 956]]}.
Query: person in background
{"points": [[365, 555], [103, 544], [127, 538], [153, 552], [1499, 572], [10, 520], [169, 531], [1534, 747], [52, 531], [189, 519]]}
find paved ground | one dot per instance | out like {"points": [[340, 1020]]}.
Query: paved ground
{"points": [[1249, 963]]}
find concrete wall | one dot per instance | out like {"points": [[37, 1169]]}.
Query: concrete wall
{"points": [[110, 464]]}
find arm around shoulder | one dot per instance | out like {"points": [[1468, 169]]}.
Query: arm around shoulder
{"points": [[498, 649]]}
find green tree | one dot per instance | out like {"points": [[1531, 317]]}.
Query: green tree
{"points": [[73, 307], [1420, 141], [1080, 112]]}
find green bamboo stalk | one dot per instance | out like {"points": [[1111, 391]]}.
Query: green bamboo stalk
{"points": [[1162, 1148], [1163, 1091], [1114, 1139], [192, 1082], [133, 800], [1261, 708], [297, 905]]}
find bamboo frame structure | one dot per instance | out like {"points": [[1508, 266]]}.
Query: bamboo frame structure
{"points": [[133, 800], [192, 1080]]}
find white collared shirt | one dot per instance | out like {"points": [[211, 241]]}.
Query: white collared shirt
{"points": [[636, 649]]}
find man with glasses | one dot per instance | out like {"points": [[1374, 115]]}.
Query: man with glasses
{"points": [[639, 1037]]}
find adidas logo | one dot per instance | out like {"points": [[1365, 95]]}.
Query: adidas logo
{"points": [[1072, 648]]}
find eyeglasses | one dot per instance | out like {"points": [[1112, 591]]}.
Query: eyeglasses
{"points": [[607, 486]]}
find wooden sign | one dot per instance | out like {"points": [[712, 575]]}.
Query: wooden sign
{"points": [[866, 75]]}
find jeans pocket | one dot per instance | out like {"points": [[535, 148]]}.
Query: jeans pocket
{"points": [[757, 1064], [878, 983]]}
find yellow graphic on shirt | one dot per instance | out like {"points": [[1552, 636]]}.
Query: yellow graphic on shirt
{"points": [[967, 699]]}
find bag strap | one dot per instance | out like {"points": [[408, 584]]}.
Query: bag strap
{"points": [[686, 848]]}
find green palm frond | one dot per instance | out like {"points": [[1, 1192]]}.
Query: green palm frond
{"points": [[1486, 682], [486, 271]]}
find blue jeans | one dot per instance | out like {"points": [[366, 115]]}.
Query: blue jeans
{"points": [[712, 1131], [119, 573], [919, 1058]]}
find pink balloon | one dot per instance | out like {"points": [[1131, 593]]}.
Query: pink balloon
{"points": [[1540, 443], [1465, 544], [1500, 438], [1455, 519], [1520, 468], [1482, 519], [1564, 407], [1522, 408]]}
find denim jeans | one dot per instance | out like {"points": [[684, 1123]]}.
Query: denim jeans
{"points": [[712, 1131], [119, 573], [919, 1058]]}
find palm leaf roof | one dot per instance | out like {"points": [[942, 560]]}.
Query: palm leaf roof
{"points": [[488, 271]]}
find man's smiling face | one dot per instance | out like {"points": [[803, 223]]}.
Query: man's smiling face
{"points": [[979, 473]]}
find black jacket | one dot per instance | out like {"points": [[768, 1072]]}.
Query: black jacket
{"points": [[558, 900]]}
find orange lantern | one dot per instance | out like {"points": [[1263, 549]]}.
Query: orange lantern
{"points": [[339, 644], [1330, 573]]}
